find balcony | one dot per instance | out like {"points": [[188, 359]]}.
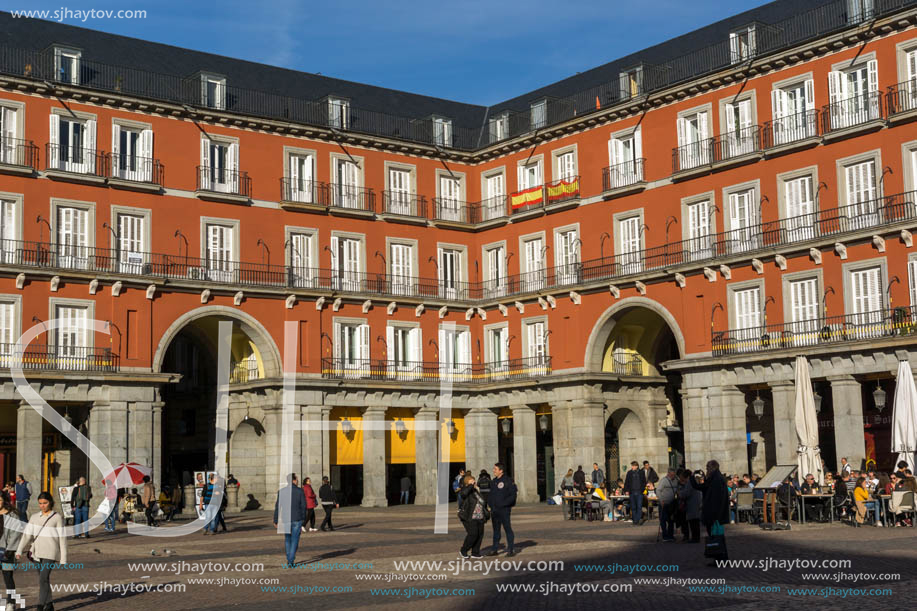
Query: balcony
{"points": [[629, 365], [75, 164], [492, 210], [18, 156], [58, 358], [623, 178], [739, 146], [448, 211], [307, 195], [401, 204], [135, 173], [692, 159], [562, 193], [348, 200], [877, 325], [223, 185], [435, 372], [852, 116], [901, 101], [527, 201], [791, 132]]}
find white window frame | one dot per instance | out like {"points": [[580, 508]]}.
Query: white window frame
{"points": [[493, 194], [217, 101], [498, 127], [698, 236], [300, 170], [539, 114], [338, 113], [222, 177], [10, 226], [351, 358], [133, 238], [742, 215], [301, 255], [454, 350], [442, 132], [75, 252], [495, 269], [74, 58], [10, 327], [693, 143], [742, 45], [628, 246], [347, 180], [348, 260], [625, 150]]}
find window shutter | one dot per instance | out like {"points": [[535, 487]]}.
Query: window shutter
{"points": [[335, 261], [730, 118], [115, 149], [233, 157], [55, 132], [336, 342], [638, 143], [364, 342], [752, 47], [810, 95], [414, 354], [912, 275], [703, 134], [6, 327], [803, 303], [294, 177], [745, 118], [792, 198], [613, 158], [872, 71], [146, 154], [682, 127], [734, 46], [522, 184], [90, 152], [8, 218], [835, 87], [390, 343]]}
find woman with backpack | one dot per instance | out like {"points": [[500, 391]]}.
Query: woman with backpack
{"points": [[473, 513], [44, 538]]}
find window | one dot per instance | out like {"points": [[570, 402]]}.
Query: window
{"points": [[907, 99], [402, 265], [72, 335], [498, 127], [9, 230], [494, 204], [455, 350], [804, 323], [629, 254], [73, 144], [539, 112], [536, 345], [347, 184], [693, 147], [860, 10], [530, 176], [7, 331], [449, 270], [866, 289], [566, 257], [496, 271], [213, 91], [794, 112], [534, 264], [912, 277], [442, 131], [73, 237], [403, 348], [219, 253], [862, 207], [742, 44], [800, 208], [498, 351], [399, 189], [566, 165], [302, 189], [131, 247], [9, 130], [351, 348], [741, 133], [747, 303], [854, 95], [631, 82], [67, 65], [132, 153], [744, 233], [624, 159], [700, 243], [301, 247], [450, 204], [219, 166], [345, 263], [338, 113]]}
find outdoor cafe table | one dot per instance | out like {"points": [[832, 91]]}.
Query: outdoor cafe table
{"points": [[573, 500], [827, 497]]}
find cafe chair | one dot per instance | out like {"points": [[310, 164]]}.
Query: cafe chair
{"points": [[902, 504], [745, 505]]}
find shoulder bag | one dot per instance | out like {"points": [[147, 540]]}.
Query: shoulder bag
{"points": [[29, 553]]}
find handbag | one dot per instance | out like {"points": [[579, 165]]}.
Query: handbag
{"points": [[29, 553], [715, 544]]}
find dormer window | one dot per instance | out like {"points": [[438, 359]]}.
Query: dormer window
{"points": [[67, 65], [498, 127], [539, 114], [631, 83], [742, 44], [338, 113], [442, 131], [213, 91]]}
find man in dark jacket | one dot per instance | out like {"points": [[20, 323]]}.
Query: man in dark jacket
{"points": [[598, 478], [80, 499], [634, 485], [501, 499], [326, 495], [715, 504], [23, 494], [579, 479], [289, 514], [207, 497], [649, 473]]}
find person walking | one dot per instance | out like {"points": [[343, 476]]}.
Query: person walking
{"points": [[473, 514], [405, 490], [221, 515], [210, 528], [289, 514], [598, 478], [148, 498], [23, 490], [111, 494], [44, 537], [80, 498], [715, 503], [634, 485], [666, 491], [311, 503], [501, 500], [326, 494], [10, 534]]}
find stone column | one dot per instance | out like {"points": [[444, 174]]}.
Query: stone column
{"points": [[108, 422], [785, 442], [426, 458], [588, 427], [28, 449], [316, 438], [140, 430], [848, 420], [273, 478], [374, 467], [728, 438], [694, 402], [561, 416], [326, 447], [156, 409], [525, 454], [481, 440]]}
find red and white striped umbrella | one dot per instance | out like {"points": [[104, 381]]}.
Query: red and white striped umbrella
{"points": [[129, 474]]}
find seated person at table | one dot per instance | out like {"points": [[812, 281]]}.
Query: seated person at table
{"points": [[909, 483], [884, 486], [894, 483], [829, 482], [863, 504], [786, 496], [872, 479], [567, 484], [810, 486]]}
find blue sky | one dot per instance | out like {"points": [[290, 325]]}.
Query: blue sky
{"points": [[474, 51]]}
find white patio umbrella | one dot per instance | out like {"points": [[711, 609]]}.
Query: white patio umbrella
{"points": [[904, 416], [808, 455]]}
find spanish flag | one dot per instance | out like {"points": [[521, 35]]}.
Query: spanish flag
{"points": [[563, 189], [529, 197]]}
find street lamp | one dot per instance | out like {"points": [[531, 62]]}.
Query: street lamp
{"points": [[878, 396], [347, 427], [400, 427], [817, 398], [505, 426], [450, 425], [758, 405], [543, 423]]}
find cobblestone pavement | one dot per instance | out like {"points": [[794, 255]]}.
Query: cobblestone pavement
{"points": [[380, 537]]}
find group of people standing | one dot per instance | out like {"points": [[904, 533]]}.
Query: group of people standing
{"points": [[482, 499]]}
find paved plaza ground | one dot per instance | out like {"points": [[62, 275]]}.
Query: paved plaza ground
{"points": [[378, 538]]}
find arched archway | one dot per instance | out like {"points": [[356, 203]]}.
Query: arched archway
{"points": [[633, 310]]}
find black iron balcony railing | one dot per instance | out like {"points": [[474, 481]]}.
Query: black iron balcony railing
{"points": [[304, 191], [214, 179], [36, 357], [492, 208], [404, 204], [902, 97], [629, 365], [75, 159], [455, 210], [851, 112], [562, 190], [791, 128], [135, 169], [18, 152], [692, 155], [348, 196], [879, 324], [738, 143], [431, 371], [623, 175]]}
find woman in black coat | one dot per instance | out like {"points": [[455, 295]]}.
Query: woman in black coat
{"points": [[715, 496], [473, 513]]}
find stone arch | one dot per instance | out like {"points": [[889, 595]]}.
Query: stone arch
{"points": [[270, 354], [602, 329], [246, 459]]}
